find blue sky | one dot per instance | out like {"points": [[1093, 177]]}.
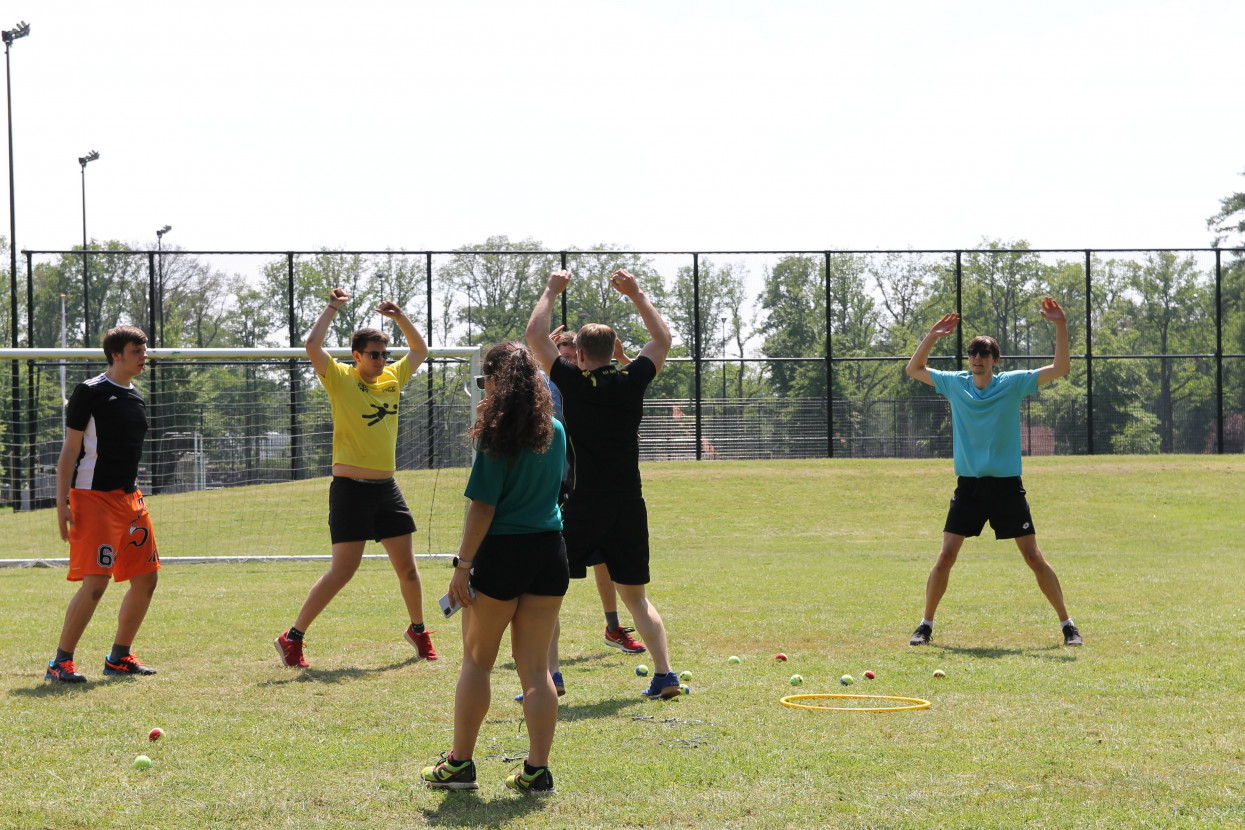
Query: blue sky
{"points": [[657, 125]]}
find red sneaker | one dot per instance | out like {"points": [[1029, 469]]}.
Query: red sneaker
{"points": [[126, 665], [291, 651], [621, 638], [422, 643]]}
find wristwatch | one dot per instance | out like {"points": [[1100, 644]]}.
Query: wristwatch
{"points": [[465, 563]]}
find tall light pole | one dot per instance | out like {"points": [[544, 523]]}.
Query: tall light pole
{"points": [[19, 31], [160, 259], [86, 279]]}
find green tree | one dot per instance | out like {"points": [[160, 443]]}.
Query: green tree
{"points": [[500, 289]]}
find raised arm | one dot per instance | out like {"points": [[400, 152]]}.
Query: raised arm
{"points": [[418, 352], [658, 346], [619, 354], [537, 332], [314, 344], [917, 368], [1063, 362]]}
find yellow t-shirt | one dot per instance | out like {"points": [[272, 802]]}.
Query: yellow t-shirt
{"points": [[365, 415]]}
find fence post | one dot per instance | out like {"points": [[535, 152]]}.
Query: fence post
{"points": [[296, 433], [1218, 352], [30, 432], [696, 345], [829, 368], [959, 308], [563, 259], [1089, 354], [432, 424]]}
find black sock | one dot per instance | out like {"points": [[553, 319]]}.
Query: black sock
{"points": [[417, 628], [530, 770], [611, 620], [61, 654], [294, 634], [119, 653]]}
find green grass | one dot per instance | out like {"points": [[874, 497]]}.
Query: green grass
{"points": [[823, 560]]}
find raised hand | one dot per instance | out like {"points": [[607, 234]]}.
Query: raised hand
{"points": [[338, 298], [1052, 311], [558, 281], [388, 308], [624, 283], [946, 325]]}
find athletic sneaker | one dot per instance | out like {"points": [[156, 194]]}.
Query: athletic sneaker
{"points": [[922, 635], [558, 686], [64, 671], [291, 651], [663, 685], [422, 643], [1072, 637], [621, 638], [538, 783], [451, 775], [126, 665]]}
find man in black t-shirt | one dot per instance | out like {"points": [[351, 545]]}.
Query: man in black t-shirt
{"points": [[602, 406], [100, 509]]}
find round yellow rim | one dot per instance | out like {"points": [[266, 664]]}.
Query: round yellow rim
{"points": [[917, 703]]}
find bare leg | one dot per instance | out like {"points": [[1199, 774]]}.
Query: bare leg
{"points": [[346, 559], [554, 664], [605, 587], [483, 623], [401, 552], [649, 624], [936, 585], [134, 607], [531, 628], [1047, 581], [81, 609]]}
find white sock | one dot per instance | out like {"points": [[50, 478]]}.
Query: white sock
{"points": [[1066, 623], [930, 623]]}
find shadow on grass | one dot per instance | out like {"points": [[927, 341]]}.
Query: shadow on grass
{"points": [[53, 689], [313, 675], [574, 660], [465, 808], [1051, 652]]}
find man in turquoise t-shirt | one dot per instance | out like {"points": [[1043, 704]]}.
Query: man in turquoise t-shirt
{"points": [[985, 429]]}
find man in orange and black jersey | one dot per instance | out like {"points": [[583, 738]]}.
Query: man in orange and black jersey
{"points": [[100, 509]]}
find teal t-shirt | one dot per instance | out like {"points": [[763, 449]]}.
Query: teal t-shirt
{"points": [[985, 423], [525, 494]]}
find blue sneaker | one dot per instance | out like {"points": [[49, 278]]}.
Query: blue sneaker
{"points": [[663, 685], [557, 685]]}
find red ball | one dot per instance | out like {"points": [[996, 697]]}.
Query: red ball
{"points": [[870, 675], [780, 657], [155, 734]]}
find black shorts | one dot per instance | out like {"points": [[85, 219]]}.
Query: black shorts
{"points": [[362, 509], [613, 531], [508, 565], [999, 500]]}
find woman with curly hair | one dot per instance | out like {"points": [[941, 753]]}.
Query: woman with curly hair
{"points": [[511, 568]]}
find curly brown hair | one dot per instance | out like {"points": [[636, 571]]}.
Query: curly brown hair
{"points": [[518, 415]]}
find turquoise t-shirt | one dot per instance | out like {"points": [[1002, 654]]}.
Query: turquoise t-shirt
{"points": [[985, 423], [526, 494]]}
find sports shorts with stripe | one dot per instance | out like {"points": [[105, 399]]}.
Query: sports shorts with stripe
{"points": [[111, 535]]}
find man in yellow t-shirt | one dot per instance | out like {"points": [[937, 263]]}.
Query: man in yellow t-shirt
{"points": [[364, 500]]}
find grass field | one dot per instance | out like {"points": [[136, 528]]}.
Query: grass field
{"points": [[823, 560]]}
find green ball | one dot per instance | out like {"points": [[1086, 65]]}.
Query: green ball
{"points": [[685, 675], [847, 680], [796, 680], [733, 659], [142, 762], [685, 689], [642, 670]]}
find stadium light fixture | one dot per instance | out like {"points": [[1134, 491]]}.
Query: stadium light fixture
{"points": [[160, 258], [86, 277], [16, 33]]}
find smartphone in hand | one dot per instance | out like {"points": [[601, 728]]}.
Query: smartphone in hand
{"points": [[450, 607]]}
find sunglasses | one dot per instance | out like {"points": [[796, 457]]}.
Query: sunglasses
{"points": [[480, 379], [375, 355], [980, 353]]}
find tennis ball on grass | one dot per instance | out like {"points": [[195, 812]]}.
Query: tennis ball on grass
{"points": [[142, 762], [870, 675], [847, 680], [685, 675], [685, 689], [939, 673], [796, 680], [155, 734], [732, 659], [642, 670]]}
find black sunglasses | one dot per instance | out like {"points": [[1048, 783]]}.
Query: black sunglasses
{"points": [[980, 353], [375, 355], [480, 379]]}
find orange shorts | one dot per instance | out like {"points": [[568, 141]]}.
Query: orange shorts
{"points": [[110, 535]]}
